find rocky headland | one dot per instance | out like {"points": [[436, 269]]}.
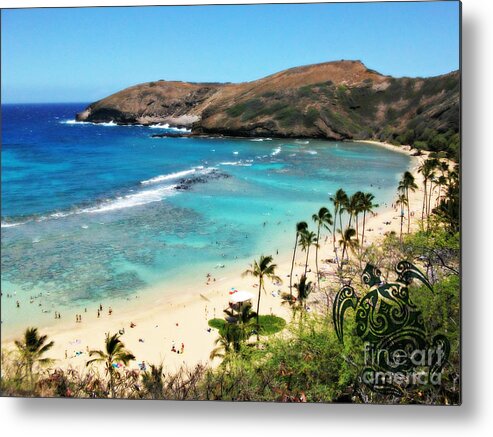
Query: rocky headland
{"points": [[342, 100]]}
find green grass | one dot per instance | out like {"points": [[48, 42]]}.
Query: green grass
{"points": [[217, 323], [269, 325]]}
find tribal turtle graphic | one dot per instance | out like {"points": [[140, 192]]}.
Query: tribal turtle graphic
{"points": [[390, 325]]}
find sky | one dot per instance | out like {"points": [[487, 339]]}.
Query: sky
{"points": [[85, 54]]}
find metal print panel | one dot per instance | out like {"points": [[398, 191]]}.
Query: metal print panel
{"points": [[236, 203]]}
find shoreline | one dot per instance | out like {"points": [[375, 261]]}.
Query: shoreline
{"points": [[181, 314]]}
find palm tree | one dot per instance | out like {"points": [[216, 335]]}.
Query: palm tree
{"points": [[441, 181], [31, 349], [300, 228], [402, 201], [433, 185], [229, 340], [153, 381], [352, 207], [243, 314], [114, 353], [358, 208], [322, 219], [262, 269], [407, 184], [347, 241], [367, 206], [339, 200], [307, 239], [304, 289], [426, 169]]}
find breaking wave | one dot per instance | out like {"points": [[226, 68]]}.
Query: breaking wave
{"points": [[108, 124], [161, 187], [178, 174], [168, 127]]}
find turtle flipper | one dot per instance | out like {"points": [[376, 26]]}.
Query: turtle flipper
{"points": [[345, 298], [407, 272]]}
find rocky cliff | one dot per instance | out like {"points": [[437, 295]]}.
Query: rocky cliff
{"points": [[333, 100]]}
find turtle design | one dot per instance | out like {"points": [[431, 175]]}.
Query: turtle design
{"points": [[390, 325]]}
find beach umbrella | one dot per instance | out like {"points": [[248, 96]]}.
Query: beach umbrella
{"points": [[241, 296]]}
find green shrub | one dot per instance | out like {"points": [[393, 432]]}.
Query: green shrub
{"points": [[310, 117]]}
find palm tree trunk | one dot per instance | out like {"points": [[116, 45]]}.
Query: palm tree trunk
{"points": [[306, 262], [316, 256], [29, 366], [429, 206], [424, 202], [362, 241], [408, 213], [402, 220], [334, 229], [356, 221], [258, 307], [112, 386], [363, 232], [292, 266]]}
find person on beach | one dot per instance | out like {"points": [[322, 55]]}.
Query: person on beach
{"points": [[18, 304], [182, 347], [110, 311]]}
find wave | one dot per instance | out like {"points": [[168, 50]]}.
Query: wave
{"points": [[11, 225], [261, 139], [138, 198], [302, 142], [168, 127], [179, 174], [108, 124], [121, 202], [312, 152], [276, 151], [112, 123], [130, 200], [246, 163]]}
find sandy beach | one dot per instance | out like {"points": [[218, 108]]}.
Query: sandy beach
{"points": [[152, 325]]}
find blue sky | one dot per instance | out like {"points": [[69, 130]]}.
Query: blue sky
{"points": [[81, 55]]}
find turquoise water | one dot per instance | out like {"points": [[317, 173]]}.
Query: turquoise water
{"points": [[92, 212]]}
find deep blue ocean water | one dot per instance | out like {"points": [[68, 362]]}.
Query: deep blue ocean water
{"points": [[93, 212]]}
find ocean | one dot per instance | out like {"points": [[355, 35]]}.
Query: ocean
{"points": [[95, 213]]}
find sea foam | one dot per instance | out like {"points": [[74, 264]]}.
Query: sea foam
{"points": [[108, 124], [176, 175], [168, 127]]}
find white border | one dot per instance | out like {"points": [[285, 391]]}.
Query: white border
{"points": [[140, 419]]}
